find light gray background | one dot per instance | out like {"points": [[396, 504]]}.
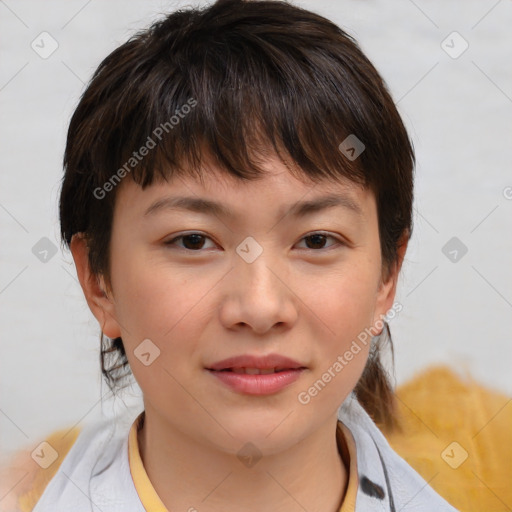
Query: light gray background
{"points": [[458, 112]]}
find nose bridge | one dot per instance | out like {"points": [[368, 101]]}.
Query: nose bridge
{"points": [[255, 268], [255, 295]]}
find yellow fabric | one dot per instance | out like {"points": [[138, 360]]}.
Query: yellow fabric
{"points": [[151, 501], [346, 444], [147, 494], [33, 485], [436, 409], [439, 408]]}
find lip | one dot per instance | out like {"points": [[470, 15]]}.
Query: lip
{"points": [[288, 372], [261, 362], [257, 384]]}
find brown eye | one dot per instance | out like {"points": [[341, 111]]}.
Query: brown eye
{"points": [[317, 241], [191, 242]]}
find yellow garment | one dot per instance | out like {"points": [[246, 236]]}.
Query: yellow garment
{"points": [[347, 449], [37, 481], [147, 494], [151, 501], [34, 484], [445, 417], [436, 410]]}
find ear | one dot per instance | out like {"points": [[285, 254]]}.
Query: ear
{"points": [[94, 288], [387, 288]]}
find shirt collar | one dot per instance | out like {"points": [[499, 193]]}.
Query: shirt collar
{"points": [[151, 501]]}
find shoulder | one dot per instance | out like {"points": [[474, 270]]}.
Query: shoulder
{"points": [[387, 481], [96, 469], [25, 475]]}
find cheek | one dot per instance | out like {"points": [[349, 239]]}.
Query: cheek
{"points": [[343, 306], [149, 295], [344, 302], [161, 304]]}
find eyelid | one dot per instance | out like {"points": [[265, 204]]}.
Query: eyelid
{"points": [[172, 240], [340, 241]]}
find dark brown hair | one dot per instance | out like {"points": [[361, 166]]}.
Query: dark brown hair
{"points": [[229, 82]]}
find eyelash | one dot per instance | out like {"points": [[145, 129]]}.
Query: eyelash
{"points": [[315, 233]]}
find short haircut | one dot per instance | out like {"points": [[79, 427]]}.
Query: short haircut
{"points": [[228, 83]]}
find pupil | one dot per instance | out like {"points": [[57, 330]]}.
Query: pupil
{"points": [[316, 238], [196, 239]]}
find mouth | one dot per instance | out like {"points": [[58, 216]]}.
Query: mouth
{"points": [[257, 375], [256, 365], [257, 371]]}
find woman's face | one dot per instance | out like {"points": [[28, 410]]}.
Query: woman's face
{"points": [[262, 268]]}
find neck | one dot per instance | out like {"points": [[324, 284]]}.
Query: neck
{"points": [[309, 476]]}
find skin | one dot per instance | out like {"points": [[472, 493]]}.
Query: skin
{"points": [[304, 298]]}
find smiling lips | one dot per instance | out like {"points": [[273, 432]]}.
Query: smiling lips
{"points": [[257, 375]]}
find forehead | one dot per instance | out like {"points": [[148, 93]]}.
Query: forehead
{"points": [[224, 195]]}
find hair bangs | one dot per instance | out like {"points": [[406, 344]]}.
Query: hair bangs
{"points": [[232, 107]]}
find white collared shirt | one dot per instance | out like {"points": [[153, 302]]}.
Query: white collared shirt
{"points": [[95, 474]]}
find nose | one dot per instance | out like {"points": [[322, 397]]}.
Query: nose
{"points": [[259, 296]]}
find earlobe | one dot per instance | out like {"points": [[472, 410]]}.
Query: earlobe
{"points": [[94, 288]]}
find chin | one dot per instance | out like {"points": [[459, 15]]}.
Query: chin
{"points": [[269, 434]]}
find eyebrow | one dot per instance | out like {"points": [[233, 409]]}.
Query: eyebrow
{"points": [[298, 209]]}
